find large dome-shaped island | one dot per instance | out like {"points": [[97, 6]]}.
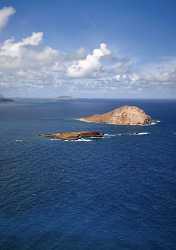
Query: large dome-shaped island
{"points": [[125, 115]]}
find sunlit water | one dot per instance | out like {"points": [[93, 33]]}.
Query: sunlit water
{"points": [[110, 194]]}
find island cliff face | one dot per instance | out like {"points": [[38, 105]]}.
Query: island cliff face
{"points": [[125, 115]]}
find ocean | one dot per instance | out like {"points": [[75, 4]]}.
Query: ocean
{"points": [[114, 193]]}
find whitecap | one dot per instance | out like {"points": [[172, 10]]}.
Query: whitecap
{"points": [[143, 133], [54, 139], [140, 133], [109, 135], [79, 140], [19, 140], [84, 140], [121, 134], [154, 122]]}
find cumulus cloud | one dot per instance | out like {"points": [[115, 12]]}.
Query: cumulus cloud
{"points": [[30, 63], [90, 64], [25, 53], [5, 14], [26, 63], [32, 40], [15, 49]]}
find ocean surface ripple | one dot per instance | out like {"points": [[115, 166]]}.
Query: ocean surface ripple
{"points": [[110, 194]]}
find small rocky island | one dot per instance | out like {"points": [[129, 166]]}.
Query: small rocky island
{"points": [[74, 135], [125, 115]]}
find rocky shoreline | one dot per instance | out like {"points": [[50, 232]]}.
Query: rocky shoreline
{"points": [[125, 115], [74, 135]]}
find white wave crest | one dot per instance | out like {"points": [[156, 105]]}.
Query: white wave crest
{"points": [[19, 140], [79, 140], [109, 135], [53, 139], [154, 122], [140, 133], [143, 133], [84, 140]]}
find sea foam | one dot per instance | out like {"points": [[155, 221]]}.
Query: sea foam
{"points": [[19, 140]]}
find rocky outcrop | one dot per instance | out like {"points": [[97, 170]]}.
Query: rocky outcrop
{"points": [[125, 115], [74, 135]]}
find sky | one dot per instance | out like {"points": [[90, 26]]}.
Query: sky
{"points": [[95, 48]]}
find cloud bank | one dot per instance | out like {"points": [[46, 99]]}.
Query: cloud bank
{"points": [[28, 63]]}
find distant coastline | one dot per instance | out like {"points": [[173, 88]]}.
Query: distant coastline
{"points": [[65, 97], [4, 99]]}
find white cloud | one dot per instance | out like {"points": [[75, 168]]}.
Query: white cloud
{"points": [[28, 63], [90, 64], [129, 77], [26, 54], [32, 40], [15, 49], [160, 73], [5, 14]]}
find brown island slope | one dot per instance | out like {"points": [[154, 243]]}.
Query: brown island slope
{"points": [[125, 115], [74, 135]]}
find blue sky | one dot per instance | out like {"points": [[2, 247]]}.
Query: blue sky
{"points": [[135, 40]]}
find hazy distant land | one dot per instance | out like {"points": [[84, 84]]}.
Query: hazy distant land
{"points": [[4, 99]]}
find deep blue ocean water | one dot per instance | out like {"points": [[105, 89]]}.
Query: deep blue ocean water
{"points": [[110, 194]]}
